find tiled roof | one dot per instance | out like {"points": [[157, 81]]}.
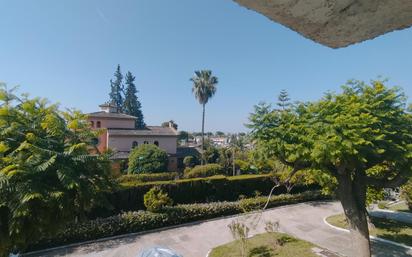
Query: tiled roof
{"points": [[103, 114], [149, 131]]}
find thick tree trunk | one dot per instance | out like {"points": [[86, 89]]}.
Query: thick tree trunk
{"points": [[203, 136], [352, 194]]}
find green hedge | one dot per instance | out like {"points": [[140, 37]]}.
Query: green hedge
{"points": [[130, 222], [203, 171], [199, 190], [135, 179]]}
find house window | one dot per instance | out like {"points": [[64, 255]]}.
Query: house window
{"points": [[98, 124], [145, 142], [156, 143], [92, 124], [135, 144]]}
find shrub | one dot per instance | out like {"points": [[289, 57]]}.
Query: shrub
{"points": [[406, 193], [202, 171], [199, 190], [147, 158], [190, 161], [134, 179], [243, 166], [131, 222], [155, 200]]}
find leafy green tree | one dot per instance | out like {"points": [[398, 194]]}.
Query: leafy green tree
{"points": [[357, 139], [204, 88], [47, 177], [117, 87], [132, 105], [220, 133], [183, 135], [283, 100], [147, 158], [226, 159], [211, 153]]}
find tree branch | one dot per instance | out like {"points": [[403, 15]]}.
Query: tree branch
{"points": [[278, 184], [396, 181]]}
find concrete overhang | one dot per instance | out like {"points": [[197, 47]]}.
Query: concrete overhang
{"points": [[336, 23]]}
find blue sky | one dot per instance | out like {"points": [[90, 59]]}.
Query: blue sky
{"points": [[67, 52]]}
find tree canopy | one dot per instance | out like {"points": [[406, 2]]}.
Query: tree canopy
{"points": [[117, 87], [147, 158], [204, 86], [132, 105], [357, 139], [283, 100], [47, 177]]}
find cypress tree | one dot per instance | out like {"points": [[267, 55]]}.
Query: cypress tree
{"points": [[132, 105], [116, 96]]}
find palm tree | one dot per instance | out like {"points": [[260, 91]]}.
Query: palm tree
{"points": [[204, 87]]}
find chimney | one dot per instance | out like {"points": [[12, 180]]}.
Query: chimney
{"points": [[109, 108]]}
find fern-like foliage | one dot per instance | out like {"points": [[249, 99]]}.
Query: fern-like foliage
{"points": [[47, 177]]}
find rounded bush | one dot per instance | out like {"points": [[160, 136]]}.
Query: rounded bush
{"points": [[202, 171], [155, 200], [190, 161], [147, 159]]}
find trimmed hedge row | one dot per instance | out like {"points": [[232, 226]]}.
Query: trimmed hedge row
{"points": [[200, 190], [135, 179], [131, 222]]}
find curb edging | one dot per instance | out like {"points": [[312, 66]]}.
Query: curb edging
{"points": [[371, 237]]}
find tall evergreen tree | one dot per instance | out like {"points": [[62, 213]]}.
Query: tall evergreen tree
{"points": [[116, 96], [283, 99], [132, 105]]}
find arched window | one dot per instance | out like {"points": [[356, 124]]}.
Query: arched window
{"points": [[98, 124], [92, 124], [145, 142], [135, 144], [156, 143]]}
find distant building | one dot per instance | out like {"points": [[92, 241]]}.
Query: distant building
{"points": [[121, 136], [219, 141]]}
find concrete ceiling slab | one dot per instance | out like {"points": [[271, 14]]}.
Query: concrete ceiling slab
{"points": [[336, 23]]}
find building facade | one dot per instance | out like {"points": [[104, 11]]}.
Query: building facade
{"points": [[120, 135]]}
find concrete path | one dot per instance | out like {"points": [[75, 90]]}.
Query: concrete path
{"points": [[304, 221]]}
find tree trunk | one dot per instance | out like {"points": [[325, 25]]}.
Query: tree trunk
{"points": [[352, 194], [203, 136]]}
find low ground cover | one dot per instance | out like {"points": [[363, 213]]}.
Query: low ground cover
{"points": [[384, 228], [266, 245], [139, 221]]}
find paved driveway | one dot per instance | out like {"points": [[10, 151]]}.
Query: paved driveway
{"points": [[304, 221]]}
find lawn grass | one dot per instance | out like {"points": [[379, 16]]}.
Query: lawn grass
{"points": [[403, 207], [264, 245], [387, 229]]}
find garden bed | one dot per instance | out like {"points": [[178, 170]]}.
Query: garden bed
{"points": [[266, 245]]}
